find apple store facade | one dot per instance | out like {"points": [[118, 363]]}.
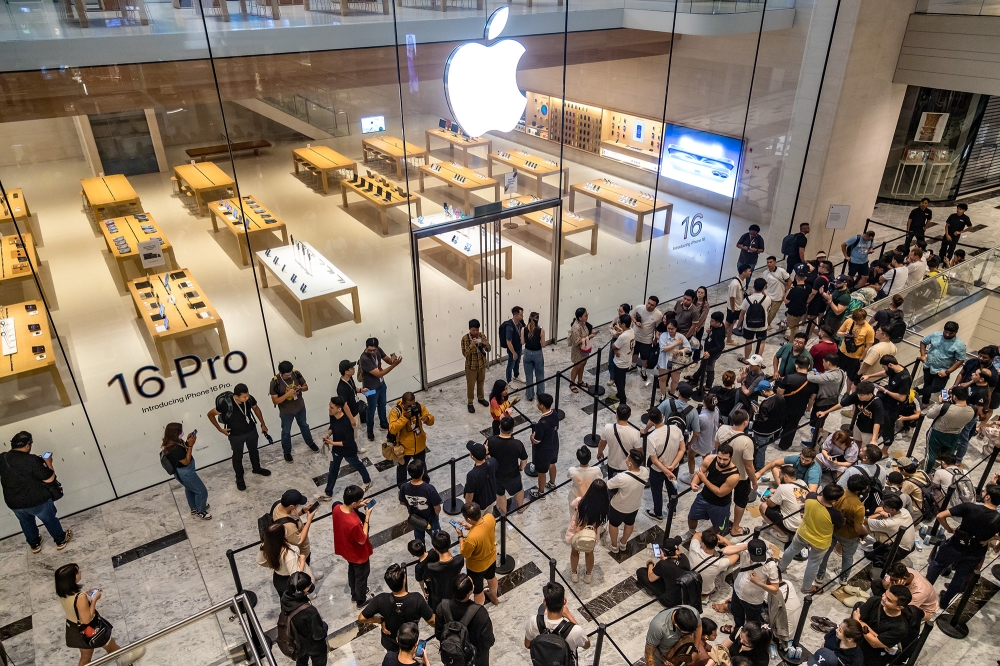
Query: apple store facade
{"points": [[194, 191]]}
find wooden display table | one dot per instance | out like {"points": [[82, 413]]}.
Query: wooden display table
{"points": [[130, 230], [571, 224], [311, 269], [458, 140], [466, 244], [26, 362], [520, 161], [443, 4], [258, 220], [392, 149], [447, 171], [191, 313], [16, 208], [198, 179], [107, 192], [345, 8], [121, 7], [610, 193], [17, 257], [322, 160], [379, 201]]}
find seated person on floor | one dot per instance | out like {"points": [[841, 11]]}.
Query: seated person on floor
{"points": [[661, 578]]}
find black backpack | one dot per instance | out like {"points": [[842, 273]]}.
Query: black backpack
{"points": [[549, 648], [896, 328], [224, 405], [502, 332], [679, 419], [165, 463], [689, 583], [872, 495], [789, 245], [289, 641], [265, 521], [756, 316], [456, 647]]}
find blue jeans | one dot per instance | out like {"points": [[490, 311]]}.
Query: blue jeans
{"points": [[46, 513], [534, 371], [354, 462], [286, 430], [418, 533], [760, 443], [513, 365], [657, 481], [377, 400], [194, 490], [849, 548], [816, 556], [963, 439]]}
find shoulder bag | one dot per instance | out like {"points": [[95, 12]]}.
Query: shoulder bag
{"points": [[95, 633]]}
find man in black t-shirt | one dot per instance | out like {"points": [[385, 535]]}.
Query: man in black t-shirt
{"points": [[660, 578], [27, 481], [348, 389], [954, 227], [894, 395], [751, 246], [393, 609], [798, 256], [239, 425], [340, 445], [545, 444], [796, 303], [885, 622], [797, 391], [918, 220], [869, 415], [421, 499], [966, 548], [481, 481], [511, 458], [480, 625], [286, 392], [443, 573]]}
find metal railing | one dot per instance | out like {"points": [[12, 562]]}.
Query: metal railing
{"points": [[316, 111], [965, 7]]}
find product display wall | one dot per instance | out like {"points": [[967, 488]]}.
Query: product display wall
{"points": [[167, 288]]}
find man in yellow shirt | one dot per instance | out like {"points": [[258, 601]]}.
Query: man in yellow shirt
{"points": [[815, 534], [478, 545]]}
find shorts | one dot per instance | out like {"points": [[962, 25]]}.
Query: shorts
{"points": [[732, 316], [857, 269], [479, 578], [995, 399], [773, 514], [542, 459], [702, 510], [750, 335], [862, 436], [511, 486], [616, 517], [644, 350], [741, 493], [851, 366]]}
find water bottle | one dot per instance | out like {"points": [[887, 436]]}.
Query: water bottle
{"points": [[790, 652], [774, 653], [798, 653], [919, 545]]}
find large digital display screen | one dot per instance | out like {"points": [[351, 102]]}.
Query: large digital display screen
{"points": [[372, 124], [702, 159]]}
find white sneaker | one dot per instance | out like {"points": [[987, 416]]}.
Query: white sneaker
{"points": [[575, 577], [362, 450], [588, 578], [132, 656], [317, 576]]}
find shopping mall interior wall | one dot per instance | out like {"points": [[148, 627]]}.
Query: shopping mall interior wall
{"points": [[987, 330], [43, 140]]}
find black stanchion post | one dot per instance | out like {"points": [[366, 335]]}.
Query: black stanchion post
{"points": [[593, 439], [231, 556], [876, 574], [505, 563], [601, 629], [986, 472], [951, 624], [799, 628], [453, 505], [916, 432], [669, 520], [924, 633], [559, 413], [552, 569], [652, 395]]}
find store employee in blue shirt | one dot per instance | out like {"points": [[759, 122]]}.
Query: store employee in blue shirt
{"points": [[856, 250], [942, 353]]}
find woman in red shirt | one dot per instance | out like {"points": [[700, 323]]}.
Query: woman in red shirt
{"points": [[350, 540]]}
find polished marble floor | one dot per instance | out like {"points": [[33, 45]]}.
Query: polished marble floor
{"points": [[157, 564]]}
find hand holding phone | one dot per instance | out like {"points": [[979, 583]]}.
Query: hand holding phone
{"points": [[312, 507], [47, 455], [370, 505], [656, 550], [944, 395], [420, 649]]}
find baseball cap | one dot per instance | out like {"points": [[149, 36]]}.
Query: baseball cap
{"points": [[684, 390], [765, 386], [756, 359], [671, 544], [477, 450], [841, 278], [757, 548], [293, 497], [346, 365]]}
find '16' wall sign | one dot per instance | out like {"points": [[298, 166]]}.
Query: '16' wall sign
{"points": [[152, 385]]}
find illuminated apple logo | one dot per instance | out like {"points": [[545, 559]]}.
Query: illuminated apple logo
{"points": [[480, 82]]}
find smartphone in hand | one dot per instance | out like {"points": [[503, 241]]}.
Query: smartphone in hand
{"points": [[656, 550], [312, 507], [370, 504], [421, 644]]}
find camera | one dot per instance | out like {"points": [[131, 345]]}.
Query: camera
{"points": [[415, 410]]}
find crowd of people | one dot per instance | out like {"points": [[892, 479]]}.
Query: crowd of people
{"points": [[842, 492]]}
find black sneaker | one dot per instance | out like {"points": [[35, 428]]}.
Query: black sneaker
{"points": [[288, 457], [371, 437], [37, 548], [472, 410], [649, 512], [484, 403], [241, 484], [262, 471], [314, 448], [66, 540]]}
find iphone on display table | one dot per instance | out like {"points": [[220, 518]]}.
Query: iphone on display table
{"points": [[317, 278], [633, 201], [27, 345]]}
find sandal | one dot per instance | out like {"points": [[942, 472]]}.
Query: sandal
{"points": [[726, 629], [743, 361], [721, 608], [743, 532], [584, 385], [815, 589], [573, 388]]}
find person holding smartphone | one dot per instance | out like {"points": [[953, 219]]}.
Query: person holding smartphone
{"points": [[292, 512], [240, 426], [82, 618], [176, 454], [30, 490], [351, 526], [411, 648], [286, 392], [373, 381], [340, 445]]}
